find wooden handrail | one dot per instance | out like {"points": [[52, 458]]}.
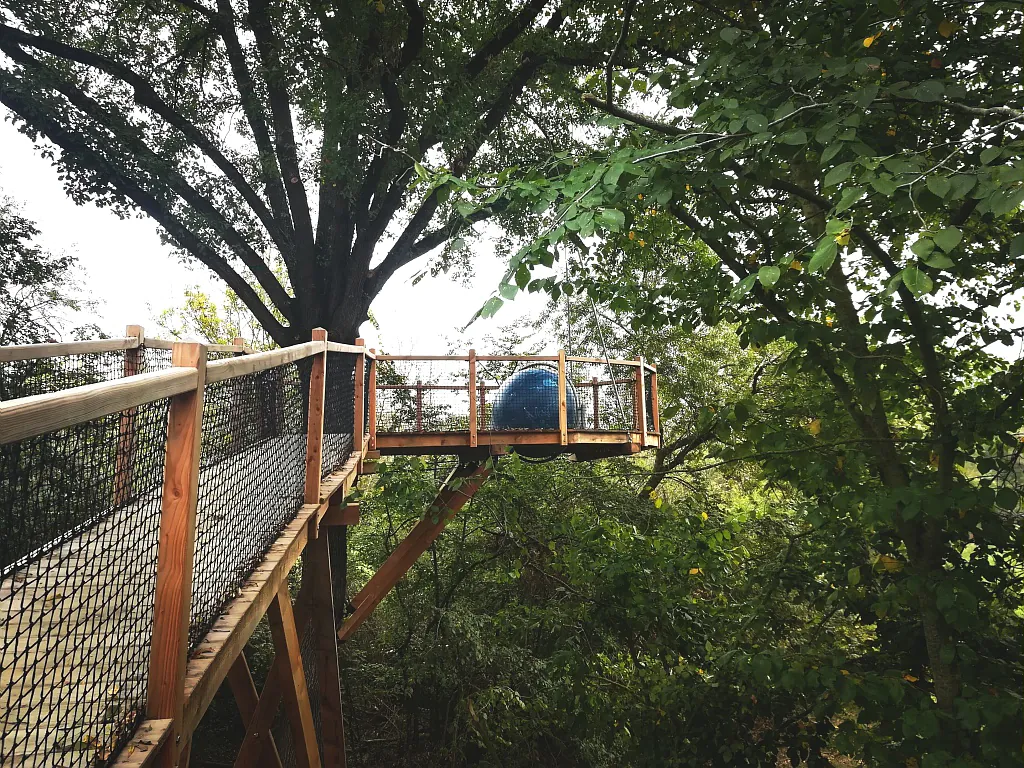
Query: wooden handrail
{"points": [[355, 349], [230, 368], [39, 414], [59, 349], [243, 349]]}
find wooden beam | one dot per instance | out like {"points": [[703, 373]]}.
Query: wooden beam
{"points": [[145, 745], [293, 679], [232, 367], [60, 349], [641, 401], [456, 491], [316, 568], [169, 651], [244, 690], [341, 514], [39, 414], [563, 422], [359, 406], [123, 463], [654, 400], [315, 421], [472, 399], [372, 395], [333, 346]]}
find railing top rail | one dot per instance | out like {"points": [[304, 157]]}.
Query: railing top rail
{"points": [[165, 344], [219, 370], [59, 349], [517, 358], [424, 357], [333, 346], [38, 414]]}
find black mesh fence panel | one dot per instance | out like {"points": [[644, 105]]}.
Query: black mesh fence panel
{"points": [[422, 396], [21, 378], [367, 375], [605, 395], [339, 410], [251, 475], [80, 513]]}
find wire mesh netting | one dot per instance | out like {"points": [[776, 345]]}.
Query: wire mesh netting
{"points": [[649, 397], [251, 474], [422, 396], [80, 513], [606, 394], [339, 410], [21, 378]]}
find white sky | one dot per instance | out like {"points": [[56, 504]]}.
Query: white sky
{"points": [[133, 277]]}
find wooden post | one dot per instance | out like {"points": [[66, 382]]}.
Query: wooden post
{"points": [[293, 679], [597, 404], [472, 399], [419, 405], [641, 401], [124, 463], [315, 421], [372, 397], [563, 426], [244, 690], [169, 654], [360, 406], [654, 399]]}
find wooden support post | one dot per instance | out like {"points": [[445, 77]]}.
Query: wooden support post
{"points": [[124, 462], [654, 400], [456, 491], [315, 421], [472, 399], [316, 567], [373, 401], [597, 403], [293, 679], [641, 401], [244, 690], [419, 406], [563, 425], [360, 406], [169, 654]]}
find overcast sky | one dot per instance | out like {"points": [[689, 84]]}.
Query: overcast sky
{"points": [[133, 277]]}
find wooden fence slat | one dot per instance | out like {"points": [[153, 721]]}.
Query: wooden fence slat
{"points": [[293, 679], [641, 401], [563, 422], [472, 399], [315, 421], [123, 463], [169, 651], [359, 405], [372, 398]]}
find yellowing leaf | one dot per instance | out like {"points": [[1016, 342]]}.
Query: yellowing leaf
{"points": [[843, 238], [380, 6], [839, 463], [845, 672], [632, 235], [910, 678], [890, 132], [869, 41], [658, 503], [947, 28], [695, 571], [933, 459], [814, 427], [797, 265], [704, 516], [890, 563], [829, 320]]}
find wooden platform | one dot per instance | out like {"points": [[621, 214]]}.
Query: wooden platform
{"points": [[584, 445]]}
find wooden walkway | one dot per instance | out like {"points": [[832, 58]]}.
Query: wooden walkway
{"points": [[70, 641]]}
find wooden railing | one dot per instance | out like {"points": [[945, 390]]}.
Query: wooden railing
{"points": [[181, 686]]}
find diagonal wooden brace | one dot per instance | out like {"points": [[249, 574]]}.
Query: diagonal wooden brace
{"points": [[459, 488]]}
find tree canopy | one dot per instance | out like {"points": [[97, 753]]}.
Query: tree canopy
{"points": [[263, 131]]}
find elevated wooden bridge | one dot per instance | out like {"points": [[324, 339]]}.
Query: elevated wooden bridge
{"points": [[154, 497]]}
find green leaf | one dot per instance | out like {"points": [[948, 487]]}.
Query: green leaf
{"points": [[768, 276], [850, 196], [420, 170], [1017, 246], [522, 277], [853, 576], [1008, 200], [883, 185], [757, 123], [837, 174], [1007, 498], [929, 90], [938, 185], [508, 291], [743, 287], [948, 238], [990, 154], [939, 261], [613, 219], [823, 255], [831, 151], [916, 280], [923, 247], [835, 226], [611, 178], [457, 244], [794, 137], [491, 307], [730, 34]]}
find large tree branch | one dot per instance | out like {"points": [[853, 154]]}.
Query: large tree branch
{"points": [[122, 132], [414, 34], [146, 96], [22, 104], [284, 133], [504, 37]]}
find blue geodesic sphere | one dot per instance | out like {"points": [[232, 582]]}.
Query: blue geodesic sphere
{"points": [[529, 400]]}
